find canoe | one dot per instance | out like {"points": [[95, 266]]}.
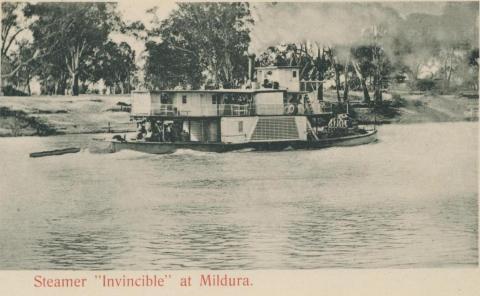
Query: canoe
{"points": [[55, 152]]}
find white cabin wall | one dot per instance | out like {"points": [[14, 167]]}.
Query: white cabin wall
{"points": [[207, 108], [193, 107], [230, 129], [198, 104], [155, 103], [189, 108], [269, 103], [176, 100], [287, 81]]}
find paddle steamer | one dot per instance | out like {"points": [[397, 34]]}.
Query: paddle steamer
{"points": [[275, 115]]}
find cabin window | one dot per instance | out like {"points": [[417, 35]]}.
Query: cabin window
{"points": [[184, 99], [294, 74], [240, 126], [214, 99]]}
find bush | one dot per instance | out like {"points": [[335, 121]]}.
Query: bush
{"points": [[93, 91], [11, 91], [417, 103], [19, 120], [397, 101], [83, 89], [386, 109], [424, 84]]}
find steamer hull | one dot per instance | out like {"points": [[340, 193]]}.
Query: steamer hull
{"points": [[166, 148]]}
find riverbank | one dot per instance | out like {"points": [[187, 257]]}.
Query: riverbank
{"points": [[53, 115], [407, 108]]}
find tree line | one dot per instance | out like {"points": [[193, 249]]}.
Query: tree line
{"points": [[69, 48], [207, 44]]}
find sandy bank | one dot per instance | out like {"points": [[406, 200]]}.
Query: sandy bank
{"points": [[48, 115], [64, 114]]}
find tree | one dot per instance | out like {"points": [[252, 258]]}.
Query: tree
{"points": [[115, 63], [336, 69], [26, 71], [167, 67], [72, 32], [322, 64], [363, 65], [473, 65], [214, 35], [11, 27]]}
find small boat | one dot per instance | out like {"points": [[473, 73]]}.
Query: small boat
{"points": [[55, 152]]}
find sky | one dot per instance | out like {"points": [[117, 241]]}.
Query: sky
{"points": [[135, 11]]}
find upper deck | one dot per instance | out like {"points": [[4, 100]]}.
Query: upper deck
{"points": [[231, 102]]}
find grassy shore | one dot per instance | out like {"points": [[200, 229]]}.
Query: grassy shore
{"points": [[49, 115], [405, 108]]}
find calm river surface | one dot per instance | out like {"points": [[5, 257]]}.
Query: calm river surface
{"points": [[409, 200]]}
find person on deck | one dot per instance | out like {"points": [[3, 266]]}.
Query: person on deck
{"points": [[141, 131]]}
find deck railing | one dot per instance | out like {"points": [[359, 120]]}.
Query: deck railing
{"points": [[172, 110], [235, 110]]}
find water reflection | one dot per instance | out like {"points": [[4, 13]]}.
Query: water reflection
{"points": [[69, 249], [338, 237], [201, 246]]}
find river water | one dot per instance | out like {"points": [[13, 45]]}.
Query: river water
{"points": [[409, 200]]}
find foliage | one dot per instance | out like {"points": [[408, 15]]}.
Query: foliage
{"points": [[418, 103], [18, 120], [364, 57], [212, 36], [386, 109], [207, 43], [84, 30], [473, 57], [11, 27], [397, 101], [9, 90], [425, 84], [26, 70], [168, 67], [115, 64]]}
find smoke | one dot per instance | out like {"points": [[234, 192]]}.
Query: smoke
{"points": [[420, 24], [328, 24]]}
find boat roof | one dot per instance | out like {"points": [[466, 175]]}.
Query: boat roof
{"points": [[222, 91], [276, 67]]}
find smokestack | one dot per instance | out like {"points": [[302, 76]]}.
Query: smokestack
{"points": [[251, 66]]}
